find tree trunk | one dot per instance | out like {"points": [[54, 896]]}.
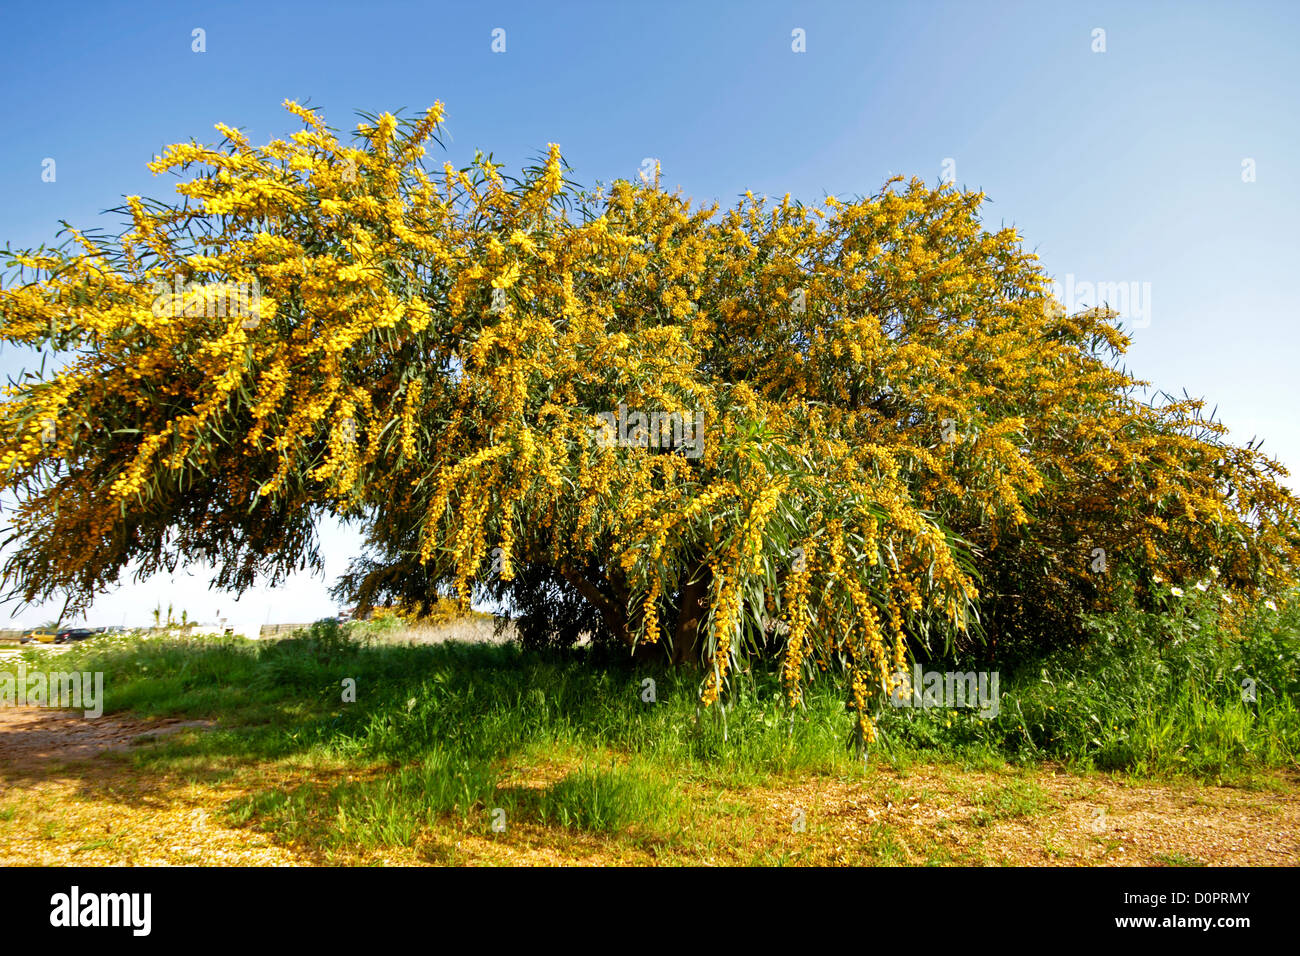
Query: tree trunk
{"points": [[688, 640], [613, 612]]}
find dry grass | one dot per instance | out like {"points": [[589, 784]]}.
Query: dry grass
{"points": [[473, 629]]}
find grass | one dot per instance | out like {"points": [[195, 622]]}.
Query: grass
{"points": [[610, 800], [1152, 694], [1177, 859], [1020, 798], [452, 741]]}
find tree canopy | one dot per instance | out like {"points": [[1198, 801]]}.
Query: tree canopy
{"points": [[822, 433]]}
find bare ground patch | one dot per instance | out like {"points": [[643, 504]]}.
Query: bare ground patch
{"points": [[31, 737]]}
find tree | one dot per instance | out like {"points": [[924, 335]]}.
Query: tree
{"points": [[830, 433]]}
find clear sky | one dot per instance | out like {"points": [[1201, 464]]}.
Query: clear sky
{"points": [[1170, 160]]}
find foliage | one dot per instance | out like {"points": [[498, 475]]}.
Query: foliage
{"points": [[903, 439], [438, 612]]}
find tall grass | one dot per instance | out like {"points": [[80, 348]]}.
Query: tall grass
{"points": [[1151, 692]]}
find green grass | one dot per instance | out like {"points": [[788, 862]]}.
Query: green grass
{"points": [[1151, 694], [441, 730], [442, 722], [1020, 798], [445, 704], [611, 800]]}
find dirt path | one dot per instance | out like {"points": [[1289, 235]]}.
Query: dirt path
{"points": [[34, 737], [70, 794]]}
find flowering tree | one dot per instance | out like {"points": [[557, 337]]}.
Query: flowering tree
{"points": [[822, 432]]}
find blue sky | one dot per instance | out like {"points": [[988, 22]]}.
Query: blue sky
{"points": [[1122, 166]]}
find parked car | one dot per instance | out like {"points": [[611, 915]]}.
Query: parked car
{"points": [[70, 634], [39, 635]]}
